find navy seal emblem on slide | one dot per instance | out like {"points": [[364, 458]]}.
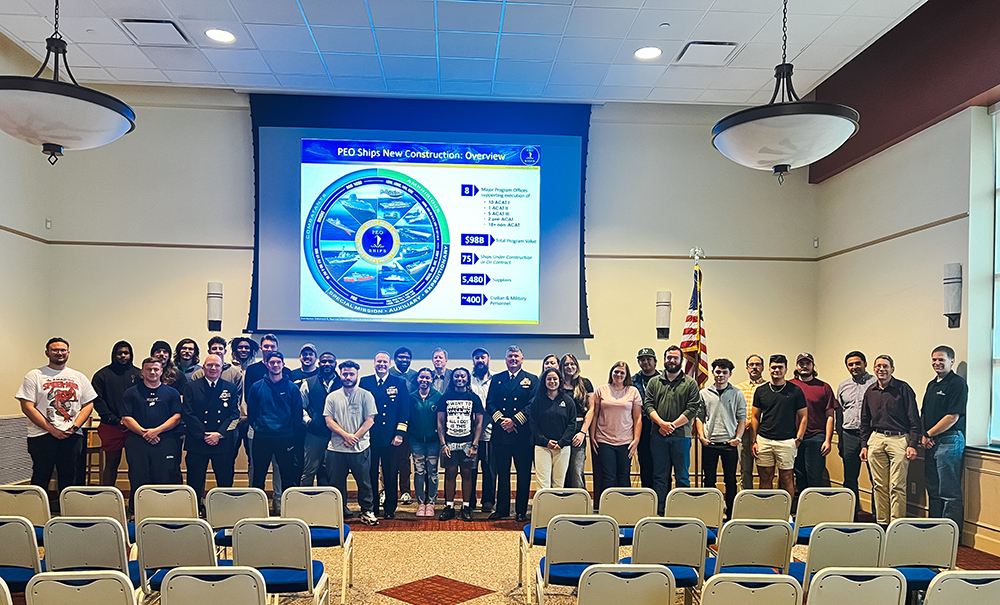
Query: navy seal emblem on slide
{"points": [[376, 241]]}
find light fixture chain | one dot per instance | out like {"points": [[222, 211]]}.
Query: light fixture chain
{"points": [[57, 16], [784, 30]]}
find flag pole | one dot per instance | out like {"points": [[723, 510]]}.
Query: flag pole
{"points": [[697, 253]]}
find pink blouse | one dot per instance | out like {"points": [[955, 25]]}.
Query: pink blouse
{"points": [[613, 424]]}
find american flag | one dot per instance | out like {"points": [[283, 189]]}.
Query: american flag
{"points": [[693, 339]]}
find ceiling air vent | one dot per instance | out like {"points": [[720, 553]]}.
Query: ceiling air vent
{"points": [[153, 32], [715, 54]]}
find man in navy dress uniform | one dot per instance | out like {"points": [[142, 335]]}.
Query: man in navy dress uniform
{"points": [[392, 398], [507, 404], [211, 414]]}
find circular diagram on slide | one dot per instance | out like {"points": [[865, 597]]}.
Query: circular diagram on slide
{"points": [[376, 241]]}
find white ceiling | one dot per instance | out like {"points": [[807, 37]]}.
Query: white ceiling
{"points": [[568, 50]]}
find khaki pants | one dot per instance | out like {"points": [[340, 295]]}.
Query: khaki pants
{"points": [[887, 458]]}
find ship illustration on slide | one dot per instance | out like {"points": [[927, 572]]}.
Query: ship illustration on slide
{"points": [[393, 193], [396, 205], [339, 225], [358, 276], [414, 251], [389, 290], [415, 234], [353, 203], [345, 256], [415, 216], [416, 268]]}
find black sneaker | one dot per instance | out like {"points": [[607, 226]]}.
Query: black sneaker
{"points": [[466, 514], [447, 514]]}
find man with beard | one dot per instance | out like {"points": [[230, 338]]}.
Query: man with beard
{"points": [[672, 401], [480, 385], [186, 357], [821, 407], [755, 371], [211, 413], [392, 398], [252, 374], [402, 358], [274, 409], [152, 411], [647, 371], [111, 382], [315, 390], [307, 364], [170, 375], [850, 395], [507, 404], [350, 413]]}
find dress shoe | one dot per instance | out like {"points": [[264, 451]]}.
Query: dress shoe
{"points": [[520, 518], [391, 515], [496, 517], [466, 514]]}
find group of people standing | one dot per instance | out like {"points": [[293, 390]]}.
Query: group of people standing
{"points": [[323, 421]]}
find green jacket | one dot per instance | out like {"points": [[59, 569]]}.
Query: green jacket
{"points": [[671, 399]]}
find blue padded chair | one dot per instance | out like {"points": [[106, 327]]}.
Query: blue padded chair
{"points": [[921, 548], [28, 501], [965, 587], [105, 586], [705, 503], [628, 505], [751, 589], [822, 505], [213, 586], [632, 584], [165, 502], [96, 501], [322, 508], [762, 504], [857, 586], [574, 543], [168, 543], [749, 546], [88, 543], [675, 542], [19, 554], [840, 545], [548, 503], [224, 506], [280, 549]]}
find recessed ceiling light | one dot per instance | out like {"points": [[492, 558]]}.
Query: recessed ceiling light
{"points": [[220, 35], [648, 52]]}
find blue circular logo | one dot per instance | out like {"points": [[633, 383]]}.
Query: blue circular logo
{"points": [[376, 241], [529, 155]]}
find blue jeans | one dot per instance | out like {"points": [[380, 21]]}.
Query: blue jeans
{"points": [[425, 470], [943, 471], [809, 463], [670, 453]]}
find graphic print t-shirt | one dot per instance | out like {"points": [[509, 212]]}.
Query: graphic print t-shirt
{"points": [[58, 396], [460, 414]]}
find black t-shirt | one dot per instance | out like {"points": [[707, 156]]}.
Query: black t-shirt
{"points": [[151, 407], [581, 404], [460, 411], [778, 407], [950, 395]]}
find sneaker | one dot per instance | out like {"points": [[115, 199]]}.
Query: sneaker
{"points": [[428, 510], [466, 514], [447, 514], [381, 498], [405, 498], [369, 518]]}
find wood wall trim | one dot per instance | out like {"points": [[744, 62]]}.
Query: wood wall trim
{"points": [[896, 235], [57, 242]]}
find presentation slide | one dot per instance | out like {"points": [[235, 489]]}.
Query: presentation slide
{"points": [[420, 231]]}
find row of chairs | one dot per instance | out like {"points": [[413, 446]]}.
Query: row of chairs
{"points": [[655, 585], [319, 510]]}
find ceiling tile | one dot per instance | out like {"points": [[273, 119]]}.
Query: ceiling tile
{"points": [[411, 14], [610, 3], [250, 80], [208, 78], [76, 8], [883, 8], [74, 54], [729, 27], [93, 29], [747, 6], [743, 79], [761, 97], [117, 55], [367, 84], [285, 62], [16, 7], [679, 4], [588, 50], [195, 31], [589, 74], [689, 77], [537, 48], [802, 29], [604, 22], [669, 51], [518, 89], [805, 80], [410, 67], [624, 93], [523, 71], [237, 61], [682, 23], [466, 88], [466, 69], [406, 42], [344, 39], [675, 95], [299, 81], [201, 10], [633, 75], [129, 74], [27, 28], [570, 91], [514, 2], [468, 16], [858, 31], [454, 44], [130, 9], [412, 86], [352, 66], [822, 7], [762, 55], [725, 96], [820, 56], [91, 74], [350, 13], [269, 11], [535, 19], [181, 59], [282, 37]]}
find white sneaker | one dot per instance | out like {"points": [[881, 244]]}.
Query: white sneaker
{"points": [[405, 498], [369, 518]]}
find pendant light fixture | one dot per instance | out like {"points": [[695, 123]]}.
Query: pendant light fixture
{"points": [[60, 116], [786, 134]]}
